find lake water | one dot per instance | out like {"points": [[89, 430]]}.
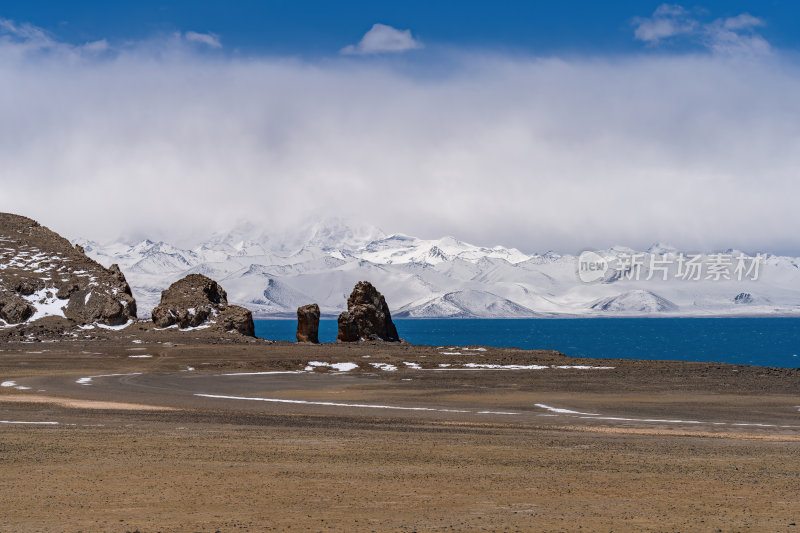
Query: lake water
{"points": [[754, 341]]}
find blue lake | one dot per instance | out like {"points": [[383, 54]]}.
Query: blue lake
{"points": [[771, 341]]}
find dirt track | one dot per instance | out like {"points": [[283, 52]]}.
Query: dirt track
{"points": [[642, 445]]}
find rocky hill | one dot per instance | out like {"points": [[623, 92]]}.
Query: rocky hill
{"points": [[42, 274]]}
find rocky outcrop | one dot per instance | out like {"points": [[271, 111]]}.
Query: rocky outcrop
{"points": [[367, 316], [42, 274], [743, 298], [236, 318], [198, 300], [308, 323], [14, 309]]}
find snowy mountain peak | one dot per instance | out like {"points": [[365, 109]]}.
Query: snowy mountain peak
{"points": [[244, 238], [660, 248], [336, 233]]}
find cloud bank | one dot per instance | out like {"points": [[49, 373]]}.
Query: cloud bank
{"points": [[170, 139]]}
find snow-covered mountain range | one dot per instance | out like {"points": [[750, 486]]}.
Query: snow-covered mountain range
{"points": [[274, 274]]}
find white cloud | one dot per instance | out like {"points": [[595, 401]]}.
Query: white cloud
{"points": [[27, 33], [540, 153], [96, 46], [381, 39], [667, 21], [209, 39], [741, 22], [733, 35]]}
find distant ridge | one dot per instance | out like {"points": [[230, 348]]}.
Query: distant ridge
{"points": [[273, 274]]}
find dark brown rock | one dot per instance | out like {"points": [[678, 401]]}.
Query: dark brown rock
{"points": [[348, 329], [14, 309], [87, 306], [236, 318], [66, 289], [308, 323], [28, 287], [367, 316], [196, 300]]}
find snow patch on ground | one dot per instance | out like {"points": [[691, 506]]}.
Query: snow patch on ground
{"points": [[384, 366], [263, 373], [339, 367], [115, 328], [24, 422], [563, 411], [46, 304], [143, 356], [351, 405], [583, 367], [88, 380], [14, 384], [505, 367], [596, 416]]}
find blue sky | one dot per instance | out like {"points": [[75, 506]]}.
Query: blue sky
{"points": [[540, 125], [321, 27]]}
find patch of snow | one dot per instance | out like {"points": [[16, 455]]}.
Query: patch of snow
{"points": [[8, 384], [386, 367], [23, 422], [339, 367], [88, 380], [46, 304], [115, 328], [414, 366], [583, 367], [267, 373], [655, 420], [450, 353], [562, 411], [334, 404], [143, 356], [505, 367]]}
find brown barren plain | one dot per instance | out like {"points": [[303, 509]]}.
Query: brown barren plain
{"points": [[205, 436]]}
